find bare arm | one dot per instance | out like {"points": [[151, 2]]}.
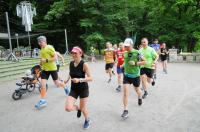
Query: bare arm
{"points": [[62, 58], [68, 78], [43, 60], [142, 61], [87, 71], [156, 58]]}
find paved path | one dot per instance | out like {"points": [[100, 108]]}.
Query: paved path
{"points": [[173, 105]]}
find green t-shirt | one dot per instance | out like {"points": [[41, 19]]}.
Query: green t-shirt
{"points": [[150, 55], [131, 71], [46, 53]]}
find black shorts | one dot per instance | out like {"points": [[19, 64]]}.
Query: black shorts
{"points": [[147, 71], [134, 81], [80, 90], [163, 58], [58, 68], [46, 74], [109, 65]]}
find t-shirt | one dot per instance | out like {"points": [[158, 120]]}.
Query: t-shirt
{"points": [[46, 53], [156, 47], [150, 55], [132, 71], [120, 57], [109, 55]]}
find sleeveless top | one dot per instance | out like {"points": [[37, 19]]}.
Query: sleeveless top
{"points": [[77, 72]]}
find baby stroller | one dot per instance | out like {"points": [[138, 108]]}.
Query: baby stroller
{"points": [[28, 83]]}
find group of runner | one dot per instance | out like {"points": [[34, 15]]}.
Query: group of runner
{"points": [[133, 66]]}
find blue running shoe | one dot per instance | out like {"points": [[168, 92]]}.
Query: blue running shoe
{"points": [[67, 90], [86, 124], [41, 103]]}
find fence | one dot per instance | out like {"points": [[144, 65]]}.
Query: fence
{"points": [[183, 57]]}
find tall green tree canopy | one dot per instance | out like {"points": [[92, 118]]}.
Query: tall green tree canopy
{"points": [[93, 22]]}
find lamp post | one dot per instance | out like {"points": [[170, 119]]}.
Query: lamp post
{"points": [[17, 41], [67, 50]]}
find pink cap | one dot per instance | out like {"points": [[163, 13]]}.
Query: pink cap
{"points": [[76, 50]]}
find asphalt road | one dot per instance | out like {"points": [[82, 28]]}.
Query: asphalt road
{"points": [[173, 105]]}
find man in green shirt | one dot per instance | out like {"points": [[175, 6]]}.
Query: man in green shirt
{"points": [[147, 70], [47, 61], [133, 59]]}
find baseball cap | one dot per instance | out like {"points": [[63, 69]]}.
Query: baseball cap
{"points": [[42, 38], [76, 50], [128, 42]]}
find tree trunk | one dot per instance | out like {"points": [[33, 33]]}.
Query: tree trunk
{"points": [[191, 44]]}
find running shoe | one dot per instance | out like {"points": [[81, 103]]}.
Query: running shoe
{"points": [[139, 102], [144, 95], [125, 114], [109, 80], [153, 82], [78, 113], [118, 89], [113, 72], [41, 103], [154, 76], [87, 124]]}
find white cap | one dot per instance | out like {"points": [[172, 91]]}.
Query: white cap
{"points": [[128, 42]]}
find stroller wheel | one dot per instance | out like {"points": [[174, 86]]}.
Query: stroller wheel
{"points": [[30, 87], [16, 95]]}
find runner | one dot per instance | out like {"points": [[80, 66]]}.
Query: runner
{"points": [[120, 61], [58, 55], [79, 73], [109, 56], [132, 61], [92, 53], [115, 48], [47, 61], [147, 70], [156, 47], [163, 56]]}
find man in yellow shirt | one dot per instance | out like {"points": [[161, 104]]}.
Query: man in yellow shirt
{"points": [[47, 61], [109, 56]]}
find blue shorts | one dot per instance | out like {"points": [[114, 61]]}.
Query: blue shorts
{"points": [[119, 70]]}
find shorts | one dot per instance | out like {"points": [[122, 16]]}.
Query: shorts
{"points": [[120, 70], [46, 74], [163, 58], [58, 68], [79, 90], [109, 66], [135, 81], [147, 71]]}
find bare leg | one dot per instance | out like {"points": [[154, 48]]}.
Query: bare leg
{"points": [[43, 88], [83, 107], [70, 104], [125, 95], [139, 92], [144, 82]]}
